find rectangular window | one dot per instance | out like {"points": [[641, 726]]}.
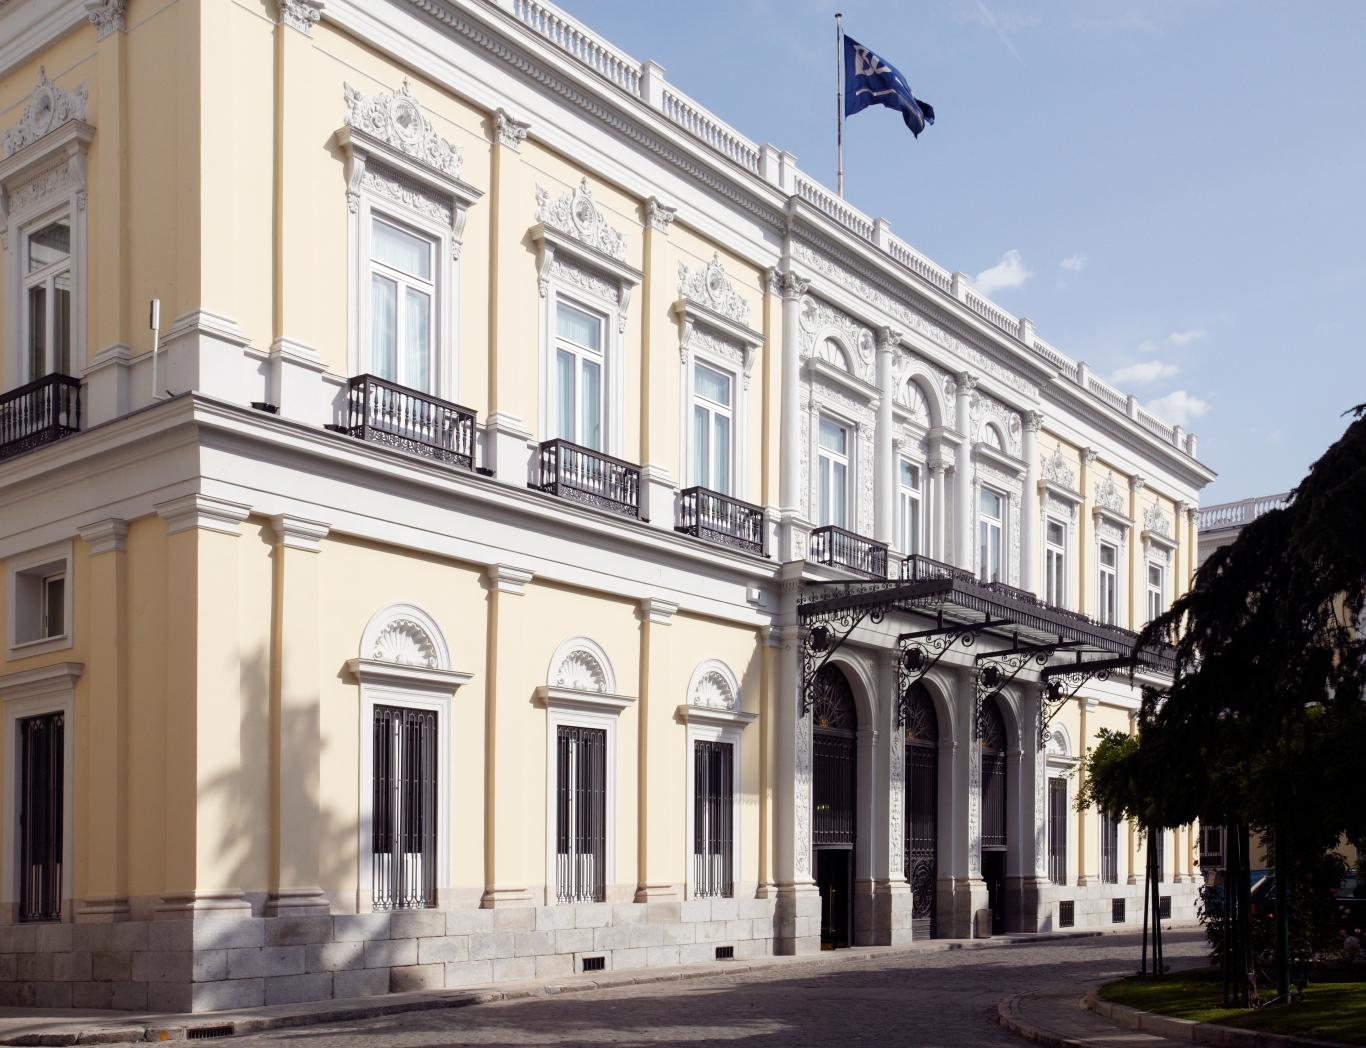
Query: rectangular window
{"points": [[41, 771], [1109, 849], [402, 305], [1108, 595], [1157, 595], [1211, 848], [53, 611], [1057, 831], [909, 496], [47, 299], [833, 472], [1055, 564], [580, 814], [990, 522], [579, 364], [713, 423], [403, 826], [713, 818]]}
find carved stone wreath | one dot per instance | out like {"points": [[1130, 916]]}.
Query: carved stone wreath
{"points": [[396, 120], [575, 215], [49, 108]]}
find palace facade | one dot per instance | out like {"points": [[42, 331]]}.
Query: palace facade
{"points": [[547, 531]]}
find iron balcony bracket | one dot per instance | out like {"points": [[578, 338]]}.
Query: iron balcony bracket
{"points": [[1058, 685], [922, 650], [996, 669], [823, 640]]}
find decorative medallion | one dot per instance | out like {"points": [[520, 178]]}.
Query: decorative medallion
{"points": [[49, 108], [575, 215], [1057, 471], [1156, 521], [1108, 495], [709, 287], [580, 670], [397, 121]]}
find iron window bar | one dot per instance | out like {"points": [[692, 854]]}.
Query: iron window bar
{"points": [[710, 515], [572, 471], [40, 412], [382, 412]]}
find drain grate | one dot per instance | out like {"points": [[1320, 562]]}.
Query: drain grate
{"points": [[595, 964], [725, 953], [204, 1033]]}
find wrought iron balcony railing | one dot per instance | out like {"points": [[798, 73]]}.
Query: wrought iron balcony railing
{"points": [[918, 566], [719, 518], [571, 471], [843, 549], [39, 413], [383, 412]]}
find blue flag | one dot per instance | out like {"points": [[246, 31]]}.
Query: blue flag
{"points": [[871, 80]]}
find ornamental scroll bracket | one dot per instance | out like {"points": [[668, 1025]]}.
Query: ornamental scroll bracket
{"points": [[921, 651], [996, 669], [823, 640], [1059, 685]]}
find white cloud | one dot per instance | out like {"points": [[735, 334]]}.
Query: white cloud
{"points": [[1144, 373], [1147, 346], [1074, 263], [1009, 272], [1185, 338], [1178, 407]]}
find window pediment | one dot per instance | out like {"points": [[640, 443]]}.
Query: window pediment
{"points": [[715, 318], [576, 245], [49, 108]]}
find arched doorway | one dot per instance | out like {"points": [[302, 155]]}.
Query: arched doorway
{"points": [[922, 810], [994, 812], [834, 729]]}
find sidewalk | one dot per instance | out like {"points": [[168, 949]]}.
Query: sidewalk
{"points": [[1059, 1018], [22, 1026]]}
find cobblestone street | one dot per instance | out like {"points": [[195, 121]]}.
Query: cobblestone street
{"points": [[940, 998]]}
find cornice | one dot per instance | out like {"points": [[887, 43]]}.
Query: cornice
{"points": [[27, 28], [713, 718], [55, 679], [105, 536], [294, 532], [504, 578], [402, 675], [571, 699], [204, 512]]}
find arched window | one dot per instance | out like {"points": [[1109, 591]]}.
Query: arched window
{"points": [[991, 437], [834, 354], [917, 403]]}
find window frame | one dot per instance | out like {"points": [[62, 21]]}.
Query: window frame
{"points": [[1158, 592], [1108, 822], [26, 575], [826, 455], [1056, 835], [999, 524], [700, 731], [713, 410], [915, 497], [46, 278], [581, 717], [1108, 616], [581, 353], [1055, 565], [373, 267]]}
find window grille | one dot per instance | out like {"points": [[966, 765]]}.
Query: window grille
{"points": [[1109, 849], [1164, 907], [581, 815], [835, 748], [1067, 913], [993, 779], [922, 808], [1211, 847], [713, 818], [405, 807], [1057, 831], [1116, 911], [40, 817]]}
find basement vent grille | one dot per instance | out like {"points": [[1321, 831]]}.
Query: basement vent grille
{"points": [[595, 964], [1164, 907], [204, 1033], [1067, 914], [1117, 911], [725, 953]]}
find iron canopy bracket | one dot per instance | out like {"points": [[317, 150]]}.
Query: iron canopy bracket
{"points": [[996, 669], [1058, 685], [920, 652]]}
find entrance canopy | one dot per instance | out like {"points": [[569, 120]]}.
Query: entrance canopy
{"points": [[1010, 628]]}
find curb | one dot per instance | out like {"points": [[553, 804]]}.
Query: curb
{"points": [[1189, 1030], [1008, 1015], [209, 1024]]}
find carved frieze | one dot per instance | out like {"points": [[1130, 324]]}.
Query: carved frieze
{"points": [[713, 691], [396, 120], [406, 643]]}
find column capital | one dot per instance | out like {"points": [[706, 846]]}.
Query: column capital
{"points": [[505, 578], [660, 612], [1136, 485], [1033, 421], [202, 511], [967, 383], [659, 214], [888, 338], [105, 536], [786, 283], [293, 532], [300, 14], [1089, 455], [107, 16], [508, 130]]}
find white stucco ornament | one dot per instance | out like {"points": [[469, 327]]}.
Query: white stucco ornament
{"points": [[406, 643], [714, 691], [49, 108], [580, 670], [709, 286], [576, 215], [397, 121]]}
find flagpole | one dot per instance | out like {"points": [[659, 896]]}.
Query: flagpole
{"points": [[839, 108]]}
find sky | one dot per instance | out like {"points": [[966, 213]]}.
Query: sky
{"points": [[1173, 190]]}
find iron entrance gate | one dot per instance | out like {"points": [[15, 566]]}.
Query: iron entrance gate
{"points": [[40, 817], [713, 815], [403, 825], [922, 810], [994, 812], [834, 823]]}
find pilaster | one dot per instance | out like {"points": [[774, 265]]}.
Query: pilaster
{"points": [[964, 511], [1085, 707], [662, 761], [891, 898], [1086, 589], [660, 400], [296, 718], [791, 497], [103, 895], [1029, 510], [202, 811], [884, 493]]}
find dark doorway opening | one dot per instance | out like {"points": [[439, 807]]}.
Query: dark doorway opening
{"points": [[922, 810], [994, 873], [835, 879]]}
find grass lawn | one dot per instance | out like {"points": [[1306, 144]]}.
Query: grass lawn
{"points": [[1335, 1011]]}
